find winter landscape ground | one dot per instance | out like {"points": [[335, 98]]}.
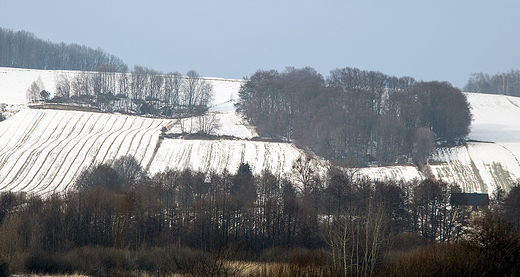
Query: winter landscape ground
{"points": [[43, 151], [491, 158]]}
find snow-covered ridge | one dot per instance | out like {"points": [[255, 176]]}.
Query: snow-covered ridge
{"points": [[43, 151]]}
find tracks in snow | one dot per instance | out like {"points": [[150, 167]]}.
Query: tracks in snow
{"points": [[44, 151], [48, 149]]}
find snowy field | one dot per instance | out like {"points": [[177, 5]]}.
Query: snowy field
{"points": [[496, 118], [219, 155], [43, 151], [14, 82], [396, 173], [492, 160]]}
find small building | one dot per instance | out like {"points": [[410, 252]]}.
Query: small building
{"points": [[470, 204]]}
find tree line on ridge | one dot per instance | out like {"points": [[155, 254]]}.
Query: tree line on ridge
{"points": [[23, 49]]}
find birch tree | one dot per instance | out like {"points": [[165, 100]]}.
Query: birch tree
{"points": [[33, 92]]}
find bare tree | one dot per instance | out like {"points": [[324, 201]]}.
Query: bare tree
{"points": [[208, 123], [128, 169], [304, 171], [191, 88], [139, 85], [196, 92], [33, 92], [63, 86], [424, 144], [156, 89], [156, 84], [123, 93], [359, 240], [81, 87], [11, 242], [172, 87]]}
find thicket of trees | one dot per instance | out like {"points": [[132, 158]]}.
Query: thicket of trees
{"points": [[357, 223], [506, 83], [23, 49], [355, 116]]}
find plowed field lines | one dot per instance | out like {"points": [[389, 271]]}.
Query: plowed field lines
{"points": [[49, 149]]}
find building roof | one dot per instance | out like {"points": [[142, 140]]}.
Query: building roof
{"points": [[470, 199]]}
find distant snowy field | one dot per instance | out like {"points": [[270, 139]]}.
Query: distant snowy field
{"points": [[43, 151], [493, 159], [496, 117], [217, 155], [14, 82]]}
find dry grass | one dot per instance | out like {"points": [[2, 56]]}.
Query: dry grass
{"points": [[250, 269], [40, 275], [253, 268]]}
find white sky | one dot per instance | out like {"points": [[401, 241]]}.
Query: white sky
{"points": [[428, 40]]}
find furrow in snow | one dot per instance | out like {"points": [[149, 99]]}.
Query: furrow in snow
{"points": [[43, 159]]}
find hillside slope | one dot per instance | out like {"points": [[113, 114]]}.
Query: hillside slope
{"points": [[44, 151], [492, 158]]}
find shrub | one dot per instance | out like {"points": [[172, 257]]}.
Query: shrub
{"points": [[154, 260], [273, 254], [497, 241], [189, 261], [289, 270], [198, 263], [101, 261], [4, 268], [490, 248], [435, 260], [46, 263]]}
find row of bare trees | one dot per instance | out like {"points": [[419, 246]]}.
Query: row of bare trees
{"points": [[141, 91], [25, 50], [116, 206], [104, 81], [506, 83], [355, 116]]}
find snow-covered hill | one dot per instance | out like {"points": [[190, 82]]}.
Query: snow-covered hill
{"points": [[491, 160], [45, 150], [42, 151]]}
